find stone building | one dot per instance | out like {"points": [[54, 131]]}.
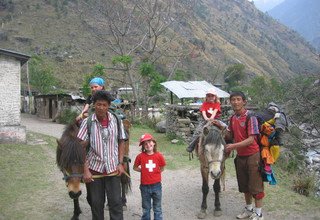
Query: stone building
{"points": [[10, 74]]}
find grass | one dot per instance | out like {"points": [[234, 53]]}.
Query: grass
{"points": [[25, 174], [30, 191], [175, 154]]}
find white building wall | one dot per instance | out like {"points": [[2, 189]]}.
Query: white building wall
{"points": [[9, 91]]}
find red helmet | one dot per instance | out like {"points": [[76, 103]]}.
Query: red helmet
{"points": [[145, 137]]}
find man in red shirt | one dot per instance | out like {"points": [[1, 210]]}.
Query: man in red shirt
{"points": [[247, 161]]}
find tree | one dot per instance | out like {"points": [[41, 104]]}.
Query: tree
{"points": [[262, 91], [234, 74], [152, 78], [138, 30], [41, 76], [302, 96]]}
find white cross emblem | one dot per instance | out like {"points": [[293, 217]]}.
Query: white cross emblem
{"points": [[150, 165], [210, 110]]}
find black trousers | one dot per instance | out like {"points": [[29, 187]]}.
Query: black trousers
{"points": [[96, 196]]}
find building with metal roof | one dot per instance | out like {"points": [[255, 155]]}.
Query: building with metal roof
{"points": [[192, 89]]}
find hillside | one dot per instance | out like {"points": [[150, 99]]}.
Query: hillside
{"points": [[302, 16], [202, 40]]}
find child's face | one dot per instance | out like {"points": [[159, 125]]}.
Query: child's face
{"points": [[237, 103], [149, 146], [95, 87], [210, 97]]}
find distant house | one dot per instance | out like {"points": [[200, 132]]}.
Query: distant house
{"points": [[10, 74], [50, 106]]}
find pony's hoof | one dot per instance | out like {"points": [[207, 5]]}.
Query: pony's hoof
{"points": [[124, 208], [202, 214], [217, 213]]}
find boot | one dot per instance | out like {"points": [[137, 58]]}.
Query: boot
{"points": [[192, 145]]}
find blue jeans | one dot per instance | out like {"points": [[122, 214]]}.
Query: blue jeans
{"points": [[151, 192]]}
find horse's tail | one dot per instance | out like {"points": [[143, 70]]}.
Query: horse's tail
{"points": [[125, 179]]}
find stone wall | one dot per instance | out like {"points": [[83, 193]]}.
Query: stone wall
{"points": [[182, 120], [177, 121], [9, 91], [10, 129]]}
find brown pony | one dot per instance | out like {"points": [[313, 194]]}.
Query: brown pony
{"points": [[70, 160], [212, 162]]}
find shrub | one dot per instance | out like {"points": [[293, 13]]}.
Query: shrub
{"points": [[67, 116], [304, 184]]}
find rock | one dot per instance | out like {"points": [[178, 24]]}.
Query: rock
{"points": [[161, 127], [316, 159], [175, 141]]}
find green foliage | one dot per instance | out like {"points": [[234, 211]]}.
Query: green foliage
{"points": [[304, 184], [263, 91], [234, 74], [41, 75], [98, 71], [152, 77], [179, 75], [67, 116], [125, 59], [302, 96]]}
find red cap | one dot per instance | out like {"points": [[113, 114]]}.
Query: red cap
{"points": [[145, 137]]}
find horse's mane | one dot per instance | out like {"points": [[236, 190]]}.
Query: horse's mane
{"points": [[214, 136], [69, 151]]}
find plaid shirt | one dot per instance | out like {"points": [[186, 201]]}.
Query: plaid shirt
{"points": [[104, 151]]}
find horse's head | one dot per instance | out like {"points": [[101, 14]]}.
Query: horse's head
{"points": [[213, 146], [70, 159]]}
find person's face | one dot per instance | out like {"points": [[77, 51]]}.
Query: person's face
{"points": [[95, 87], [101, 108], [149, 146], [210, 97], [237, 103]]}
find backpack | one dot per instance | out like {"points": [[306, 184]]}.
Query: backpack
{"points": [[271, 125]]}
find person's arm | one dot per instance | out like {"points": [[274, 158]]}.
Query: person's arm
{"points": [[121, 148], [213, 114], [161, 169], [204, 115], [85, 109], [247, 142], [137, 168]]}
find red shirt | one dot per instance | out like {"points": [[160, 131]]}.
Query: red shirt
{"points": [[240, 132], [210, 106], [150, 167]]}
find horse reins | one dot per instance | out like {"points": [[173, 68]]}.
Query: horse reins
{"points": [[68, 176]]}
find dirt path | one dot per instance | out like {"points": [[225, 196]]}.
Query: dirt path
{"points": [[181, 188]]}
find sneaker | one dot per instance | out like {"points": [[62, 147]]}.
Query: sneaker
{"points": [[255, 216], [245, 214]]}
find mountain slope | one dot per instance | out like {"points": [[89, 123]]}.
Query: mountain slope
{"points": [[73, 36], [266, 5], [302, 16]]}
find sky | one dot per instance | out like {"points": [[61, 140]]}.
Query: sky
{"points": [[265, 5]]}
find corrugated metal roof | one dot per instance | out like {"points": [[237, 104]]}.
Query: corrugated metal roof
{"points": [[20, 56], [192, 89]]}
